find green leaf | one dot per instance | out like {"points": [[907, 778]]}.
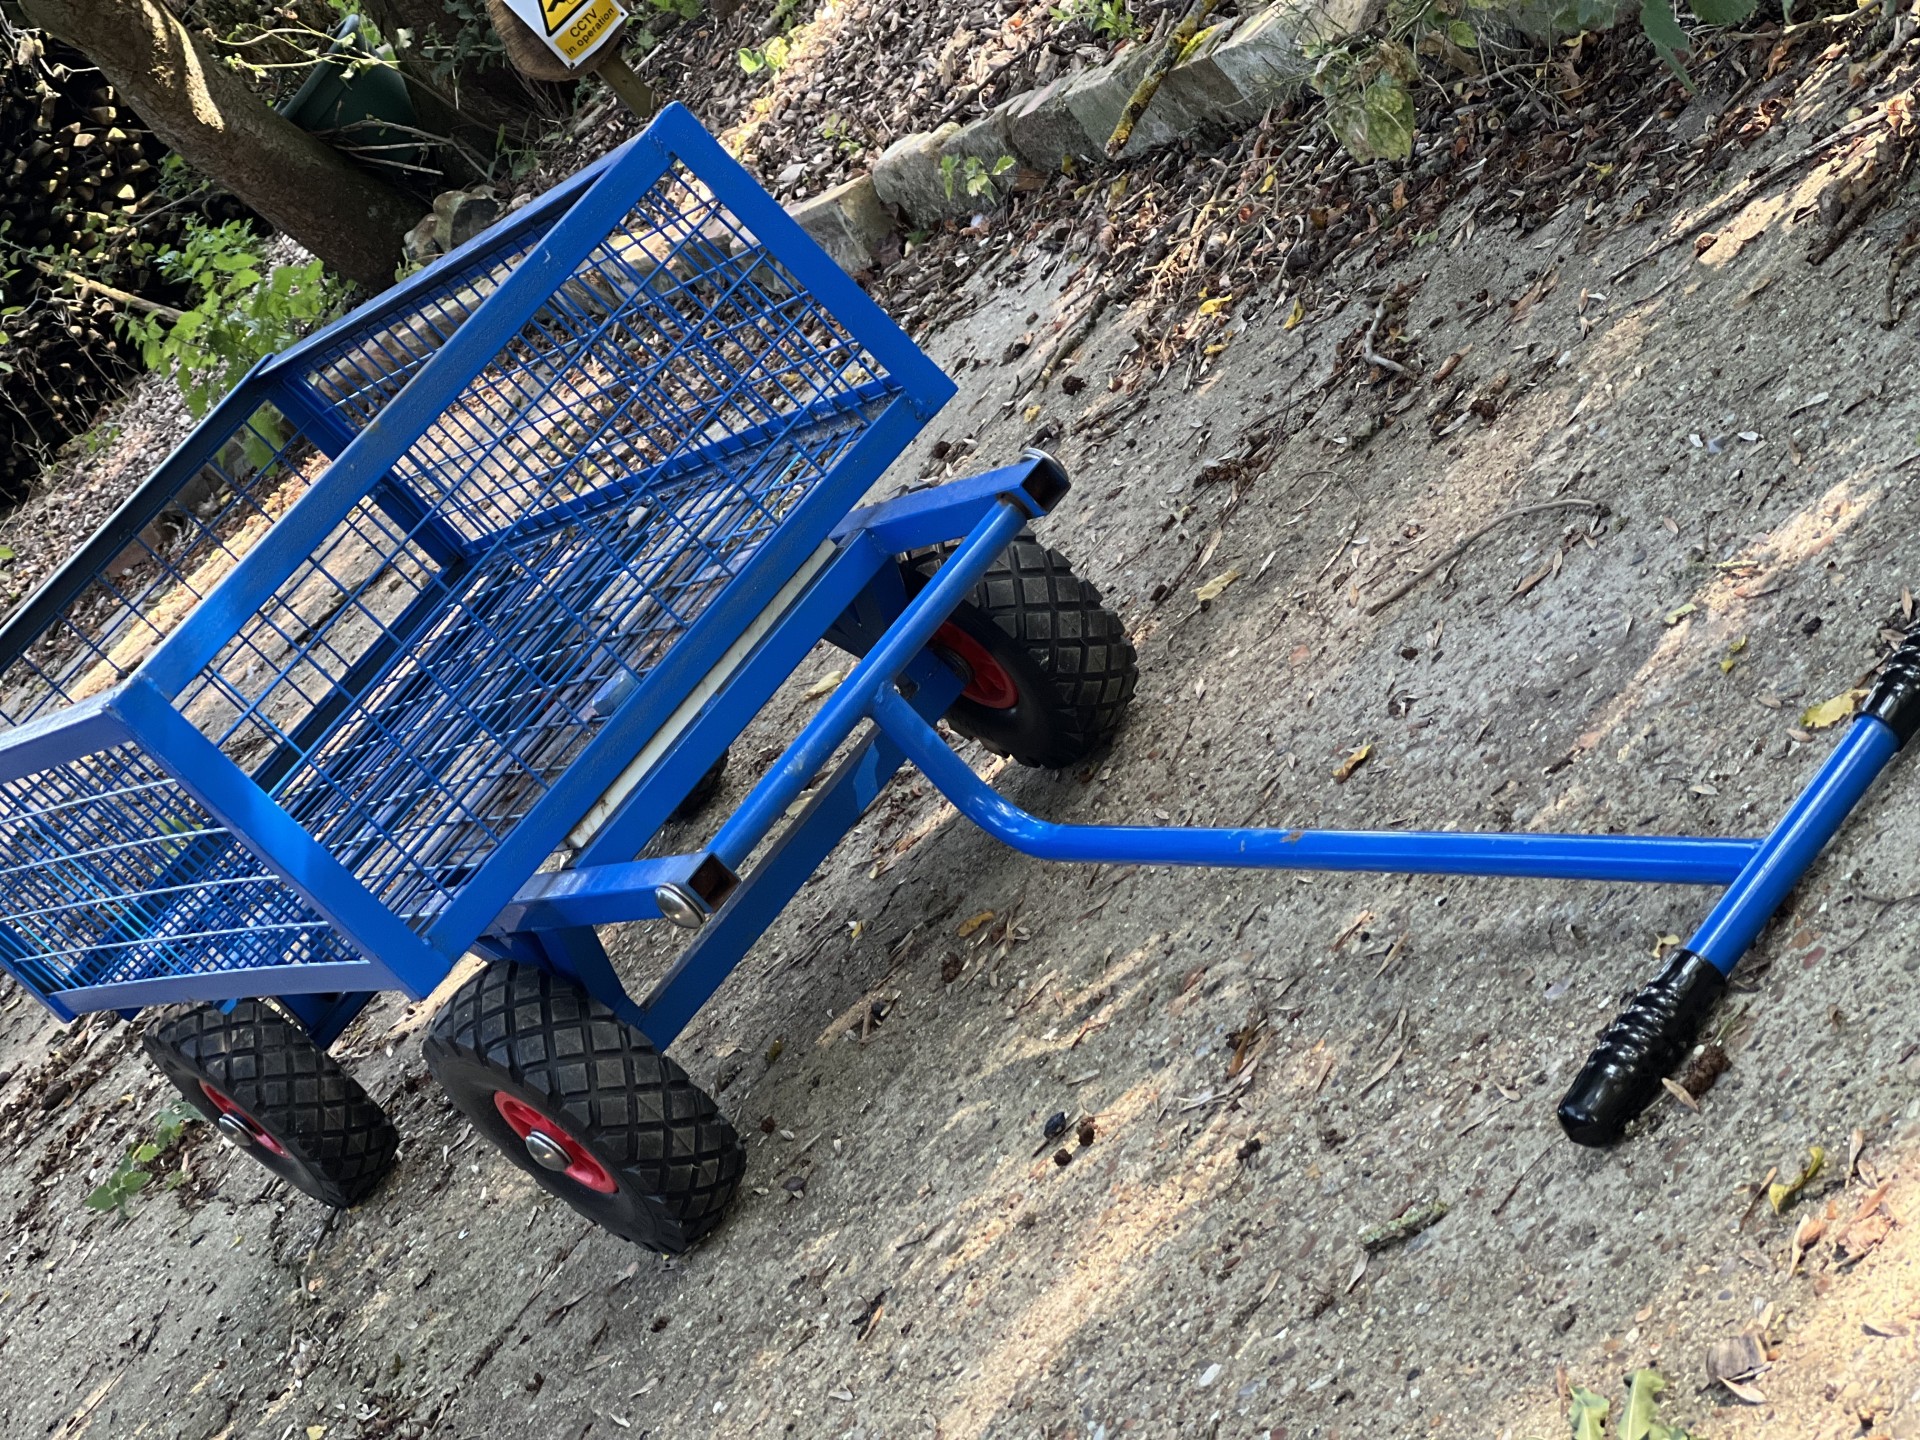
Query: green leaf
{"points": [[6, 554], [1588, 1415], [1643, 1404], [134, 1181], [143, 1153], [1781, 1194], [1722, 12], [105, 1197], [1389, 118], [1669, 40], [1461, 34]]}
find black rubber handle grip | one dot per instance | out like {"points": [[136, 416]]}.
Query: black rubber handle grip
{"points": [[1895, 697], [1659, 1025]]}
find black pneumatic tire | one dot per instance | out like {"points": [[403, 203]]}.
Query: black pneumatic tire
{"points": [[654, 1161], [285, 1101], [1064, 658]]}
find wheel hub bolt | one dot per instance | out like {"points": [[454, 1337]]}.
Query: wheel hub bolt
{"points": [[547, 1152], [235, 1129]]}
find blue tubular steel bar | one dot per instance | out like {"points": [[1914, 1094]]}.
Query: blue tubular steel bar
{"points": [[832, 810], [1661, 1022], [607, 894], [869, 542], [1657, 859], [1783, 857], [872, 678]]}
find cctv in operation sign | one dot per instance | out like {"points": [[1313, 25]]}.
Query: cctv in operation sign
{"points": [[572, 29]]}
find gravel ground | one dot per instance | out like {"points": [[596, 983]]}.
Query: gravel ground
{"points": [[1274, 1065]]}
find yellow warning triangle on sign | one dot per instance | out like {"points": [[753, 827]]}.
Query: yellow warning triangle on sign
{"points": [[556, 13]]}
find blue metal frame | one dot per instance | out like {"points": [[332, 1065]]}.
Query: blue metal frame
{"points": [[901, 689], [838, 570]]}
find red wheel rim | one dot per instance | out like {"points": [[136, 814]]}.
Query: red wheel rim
{"points": [[582, 1168], [227, 1106], [988, 683]]}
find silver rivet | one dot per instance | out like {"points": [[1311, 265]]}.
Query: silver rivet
{"points": [[235, 1129], [680, 905], [547, 1152]]}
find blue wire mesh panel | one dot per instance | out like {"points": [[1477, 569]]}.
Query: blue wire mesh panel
{"points": [[112, 873], [109, 609], [409, 574], [618, 462]]}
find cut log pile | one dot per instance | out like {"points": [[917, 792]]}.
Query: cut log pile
{"points": [[79, 172]]}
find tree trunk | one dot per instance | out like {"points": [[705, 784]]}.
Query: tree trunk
{"points": [[489, 97], [206, 113]]}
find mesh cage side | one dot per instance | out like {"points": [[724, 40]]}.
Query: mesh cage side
{"points": [[623, 457], [110, 872], [141, 591]]}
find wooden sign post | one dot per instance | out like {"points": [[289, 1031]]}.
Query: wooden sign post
{"points": [[565, 39]]}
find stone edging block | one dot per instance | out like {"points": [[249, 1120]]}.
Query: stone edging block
{"points": [[1230, 76]]}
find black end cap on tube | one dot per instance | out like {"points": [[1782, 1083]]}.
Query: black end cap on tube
{"points": [[1895, 698], [1622, 1076]]}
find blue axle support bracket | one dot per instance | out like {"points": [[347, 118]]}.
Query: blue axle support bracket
{"points": [[326, 1016], [835, 808], [577, 952], [945, 512], [613, 893]]}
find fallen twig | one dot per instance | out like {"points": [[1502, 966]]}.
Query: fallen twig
{"points": [[1373, 356], [1742, 192], [1903, 252], [1171, 49], [123, 297], [1400, 591]]}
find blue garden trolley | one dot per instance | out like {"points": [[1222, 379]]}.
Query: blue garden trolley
{"points": [[420, 638]]}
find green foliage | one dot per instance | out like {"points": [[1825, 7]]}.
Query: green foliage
{"points": [[1108, 19], [839, 134], [1367, 83], [685, 9], [778, 50], [131, 1176], [239, 314], [100, 438], [970, 175], [465, 43], [1587, 1413], [1670, 41], [769, 58], [1369, 104]]}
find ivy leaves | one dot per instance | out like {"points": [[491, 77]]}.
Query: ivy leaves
{"points": [[1670, 41]]}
